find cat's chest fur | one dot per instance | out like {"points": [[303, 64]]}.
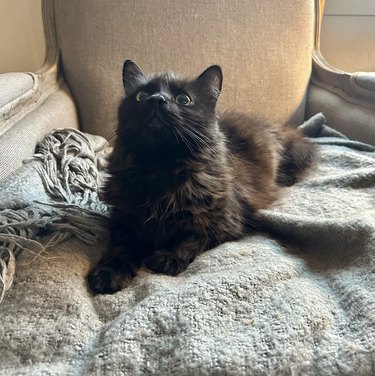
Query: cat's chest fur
{"points": [[148, 187], [158, 200]]}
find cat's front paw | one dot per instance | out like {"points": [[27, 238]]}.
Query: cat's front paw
{"points": [[108, 279], [164, 262]]}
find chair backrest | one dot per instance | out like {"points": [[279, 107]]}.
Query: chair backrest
{"points": [[264, 48]]}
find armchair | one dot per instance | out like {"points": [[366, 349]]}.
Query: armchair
{"points": [[253, 307]]}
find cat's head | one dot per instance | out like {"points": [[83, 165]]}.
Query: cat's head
{"points": [[163, 111]]}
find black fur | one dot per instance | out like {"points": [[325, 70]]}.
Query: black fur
{"points": [[185, 179]]}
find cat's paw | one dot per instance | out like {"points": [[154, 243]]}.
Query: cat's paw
{"points": [[164, 262], [107, 279]]}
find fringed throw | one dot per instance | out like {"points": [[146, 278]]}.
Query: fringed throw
{"points": [[70, 168]]}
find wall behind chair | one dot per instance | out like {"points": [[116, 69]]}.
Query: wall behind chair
{"points": [[22, 46]]}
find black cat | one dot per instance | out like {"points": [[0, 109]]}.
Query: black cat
{"points": [[185, 179]]}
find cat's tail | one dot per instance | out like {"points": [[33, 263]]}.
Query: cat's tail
{"points": [[298, 155]]}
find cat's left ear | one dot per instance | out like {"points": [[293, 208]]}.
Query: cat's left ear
{"points": [[132, 76], [211, 80]]}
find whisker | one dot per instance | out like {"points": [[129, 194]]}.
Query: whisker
{"points": [[114, 134], [175, 135], [186, 143], [186, 126]]}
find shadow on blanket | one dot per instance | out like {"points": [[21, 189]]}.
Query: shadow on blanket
{"points": [[304, 305]]}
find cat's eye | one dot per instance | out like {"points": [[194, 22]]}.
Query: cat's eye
{"points": [[184, 100], [142, 97]]}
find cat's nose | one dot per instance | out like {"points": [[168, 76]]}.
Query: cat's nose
{"points": [[157, 99]]}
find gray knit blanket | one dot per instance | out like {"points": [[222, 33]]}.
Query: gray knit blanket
{"points": [[301, 304]]}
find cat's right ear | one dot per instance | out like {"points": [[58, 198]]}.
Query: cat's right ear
{"points": [[211, 81], [132, 76]]}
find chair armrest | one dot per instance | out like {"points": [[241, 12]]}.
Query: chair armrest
{"points": [[346, 99], [15, 88], [30, 106], [33, 104]]}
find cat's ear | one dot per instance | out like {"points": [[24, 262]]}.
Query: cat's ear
{"points": [[211, 81], [132, 76]]}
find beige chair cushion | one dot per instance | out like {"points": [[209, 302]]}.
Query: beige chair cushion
{"points": [[264, 48]]}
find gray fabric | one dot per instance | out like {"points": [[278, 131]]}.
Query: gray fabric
{"points": [[304, 305], [347, 99], [13, 86], [62, 198], [22, 132], [358, 88], [365, 80], [315, 127]]}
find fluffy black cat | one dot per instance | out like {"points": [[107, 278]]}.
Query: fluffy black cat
{"points": [[184, 178]]}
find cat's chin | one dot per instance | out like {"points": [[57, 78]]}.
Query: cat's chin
{"points": [[156, 123], [156, 134]]}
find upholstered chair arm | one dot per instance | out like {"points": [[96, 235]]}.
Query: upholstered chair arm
{"points": [[346, 99], [31, 105]]}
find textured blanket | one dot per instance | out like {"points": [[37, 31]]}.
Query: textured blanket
{"points": [[302, 303]]}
